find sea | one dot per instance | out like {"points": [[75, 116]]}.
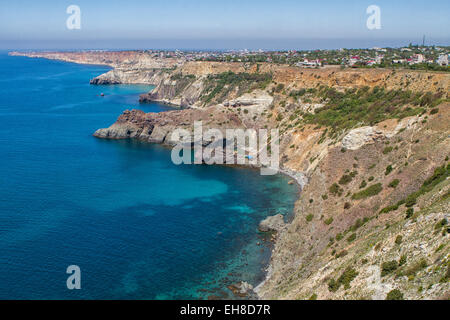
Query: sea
{"points": [[136, 225]]}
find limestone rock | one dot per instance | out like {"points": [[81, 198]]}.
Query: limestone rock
{"points": [[273, 223], [357, 138]]}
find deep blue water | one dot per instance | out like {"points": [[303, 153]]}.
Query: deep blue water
{"points": [[138, 226]]}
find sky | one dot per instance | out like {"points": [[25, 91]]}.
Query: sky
{"points": [[225, 24]]}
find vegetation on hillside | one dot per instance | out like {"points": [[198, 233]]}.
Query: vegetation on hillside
{"points": [[365, 106], [219, 85]]}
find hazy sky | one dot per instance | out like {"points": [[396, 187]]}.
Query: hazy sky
{"points": [[202, 24]]}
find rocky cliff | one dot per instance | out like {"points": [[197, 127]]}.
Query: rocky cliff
{"points": [[370, 147], [188, 83], [373, 217], [371, 222]]}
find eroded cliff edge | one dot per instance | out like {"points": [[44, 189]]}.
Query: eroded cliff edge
{"points": [[372, 221]]}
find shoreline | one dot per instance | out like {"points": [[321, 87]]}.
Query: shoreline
{"points": [[299, 178]]}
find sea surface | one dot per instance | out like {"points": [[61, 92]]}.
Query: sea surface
{"points": [[138, 226]]}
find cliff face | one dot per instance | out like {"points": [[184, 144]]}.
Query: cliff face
{"points": [[129, 67], [185, 92], [115, 59], [341, 241]]}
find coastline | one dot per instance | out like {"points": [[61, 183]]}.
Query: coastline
{"points": [[37, 56], [298, 178], [326, 163]]}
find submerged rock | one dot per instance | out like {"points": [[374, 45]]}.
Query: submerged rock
{"points": [[242, 290]]}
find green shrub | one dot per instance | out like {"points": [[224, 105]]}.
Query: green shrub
{"points": [[411, 200], [389, 169], [336, 190], [409, 213], [388, 267], [309, 217], [345, 279], [388, 150], [441, 224], [395, 295], [390, 208], [394, 183], [297, 94], [434, 111], [279, 88], [313, 297], [351, 238], [333, 285], [358, 224], [363, 184], [369, 192], [346, 179], [402, 260], [329, 221], [398, 240]]}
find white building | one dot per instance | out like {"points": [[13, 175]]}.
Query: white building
{"points": [[309, 63], [379, 59], [417, 58], [442, 60]]}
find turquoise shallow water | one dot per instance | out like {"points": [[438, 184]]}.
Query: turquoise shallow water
{"points": [[138, 226]]}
